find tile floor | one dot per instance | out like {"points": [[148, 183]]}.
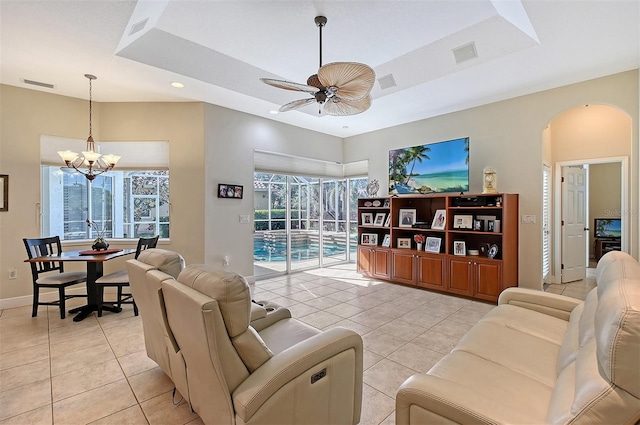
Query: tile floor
{"points": [[45, 361]]}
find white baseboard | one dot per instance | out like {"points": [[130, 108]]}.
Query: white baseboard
{"points": [[44, 296]]}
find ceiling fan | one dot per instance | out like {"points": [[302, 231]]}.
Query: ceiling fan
{"points": [[339, 88]]}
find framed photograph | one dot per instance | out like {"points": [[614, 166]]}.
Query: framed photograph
{"points": [[433, 244], [478, 225], [459, 248], [386, 203], [387, 222], [404, 243], [439, 220], [379, 220], [369, 239], [463, 222], [230, 191], [4, 196], [491, 225], [407, 217], [367, 219], [386, 241]]}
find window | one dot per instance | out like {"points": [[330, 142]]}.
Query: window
{"points": [[546, 221], [127, 204]]}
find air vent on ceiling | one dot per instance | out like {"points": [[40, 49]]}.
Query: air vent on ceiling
{"points": [[387, 82], [138, 27], [465, 53], [38, 83]]}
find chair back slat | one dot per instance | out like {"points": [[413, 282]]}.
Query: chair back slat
{"points": [[145, 243], [40, 247]]}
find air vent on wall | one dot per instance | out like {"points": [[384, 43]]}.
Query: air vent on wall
{"points": [[38, 83], [465, 53], [387, 82], [138, 27]]}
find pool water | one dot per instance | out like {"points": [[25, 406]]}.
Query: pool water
{"points": [[277, 251]]}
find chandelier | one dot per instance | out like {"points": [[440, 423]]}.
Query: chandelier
{"points": [[91, 163]]}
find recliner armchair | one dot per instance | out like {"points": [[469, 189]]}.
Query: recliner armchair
{"points": [[285, 373]]}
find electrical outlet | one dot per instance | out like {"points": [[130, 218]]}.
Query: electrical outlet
{"points": [[13, 273], [528, 218], [244, 218]]}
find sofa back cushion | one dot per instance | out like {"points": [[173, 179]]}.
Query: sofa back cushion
{"points": [[164, 260]]}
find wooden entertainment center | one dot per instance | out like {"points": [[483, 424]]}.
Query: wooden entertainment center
{"points": [[485, 225]]}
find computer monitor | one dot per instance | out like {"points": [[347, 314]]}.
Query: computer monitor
{"points": [[607, 228]]}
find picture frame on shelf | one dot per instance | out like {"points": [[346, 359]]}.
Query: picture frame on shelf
{"points": [[433, 244], [407, 217], [386, 240], [404, 243], [459, 248], [367, 219], [369, 239], [386, 203], [387, 222], [439, 220], [478, 225], [379, 219], [491, 225], [463, 221]]}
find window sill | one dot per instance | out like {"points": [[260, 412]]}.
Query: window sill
{"points": [[83, 243]]}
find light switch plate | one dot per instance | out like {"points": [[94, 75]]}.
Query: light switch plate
{"points": [[244, 218]]}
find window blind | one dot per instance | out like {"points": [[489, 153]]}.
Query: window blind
{"points": [[546, 221], [277, 163]]}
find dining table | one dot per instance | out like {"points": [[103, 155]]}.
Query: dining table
{"points": [[95, 261]]}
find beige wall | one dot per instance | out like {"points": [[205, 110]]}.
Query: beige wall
{"points": [[604, 194], [509, 135]]}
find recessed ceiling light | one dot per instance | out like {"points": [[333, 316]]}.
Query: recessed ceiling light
{"points": [[274, 112], [177, 85]]}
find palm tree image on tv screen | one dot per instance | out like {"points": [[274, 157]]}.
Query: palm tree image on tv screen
{"points": [[433, 168]]}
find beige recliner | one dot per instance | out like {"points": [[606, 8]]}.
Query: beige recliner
{"points": [[284, 373]]}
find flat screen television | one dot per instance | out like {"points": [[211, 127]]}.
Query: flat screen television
{"points": [[432, 168], [607, 228]]}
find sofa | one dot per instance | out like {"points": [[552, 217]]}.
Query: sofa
{"points": [[541, 358], [237, 361]]}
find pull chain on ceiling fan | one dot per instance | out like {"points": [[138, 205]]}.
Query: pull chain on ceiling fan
{"points": [[339, 88]]}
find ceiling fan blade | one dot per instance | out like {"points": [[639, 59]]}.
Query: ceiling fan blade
{"points": [[296, 104], [354, 80], [288, 85], [340, 107]]}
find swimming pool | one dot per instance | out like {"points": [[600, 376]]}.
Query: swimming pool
{"points": [[300, 251]]}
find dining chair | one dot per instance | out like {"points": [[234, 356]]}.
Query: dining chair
{"points": [[43, 276], [120, 279]]}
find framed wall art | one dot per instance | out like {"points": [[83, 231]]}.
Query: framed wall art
{"points": [[4, 195], [230, 191]]}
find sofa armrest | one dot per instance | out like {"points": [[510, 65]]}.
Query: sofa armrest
{"points": [[295, 361], [424, 399], [559, 306]]}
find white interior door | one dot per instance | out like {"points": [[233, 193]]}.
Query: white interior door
{"points": [[574, 224]]}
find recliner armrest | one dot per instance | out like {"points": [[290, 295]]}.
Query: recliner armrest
{"points": [[555, 305], [284, 367]]}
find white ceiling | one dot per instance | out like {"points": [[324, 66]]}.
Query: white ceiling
{"points": [[219, 50]]}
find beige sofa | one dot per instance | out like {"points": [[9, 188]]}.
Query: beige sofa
{"points": [[540, 358], [237, 362]]}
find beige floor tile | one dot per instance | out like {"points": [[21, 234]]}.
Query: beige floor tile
{"points": [[366, 301], [85, 379], [24, 311], [111, 320], [25, 374], [342, 296], [24, 356], [390, 420], [150, 383], [436, 341], [85, 327], [40, 416], [125, 328], [82, 341], [128, 345], [371, 319], [451, 328], [25, 398], [345, 310], [376, 406], [161, 411], [320, 319], [301, 309], [415, 356], [369, 358], [19, 342], [95, 404], [420, 317], [135, 363], [322, 303], [81, 358], [381, 343], [387, 376], [130, 416], [303, 296], [401, 329], [354, 326]]}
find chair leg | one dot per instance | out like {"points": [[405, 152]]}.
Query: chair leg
{"points": [[62, 301], [36, 299], [135, 307], [100, 299], [119, 296]]}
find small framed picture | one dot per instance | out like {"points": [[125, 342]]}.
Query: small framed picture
{"points": [[379, 220], [439, 220], [491, 225], [459, 248], [433, 244], [404, 243], [387, 222], [386, 203], [367, 219], [386, 241], [407, 217], [230, 191], [478, 225], [463, 222], [369, 239]]}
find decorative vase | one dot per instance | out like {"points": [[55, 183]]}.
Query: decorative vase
{"points": [[419, 246], [100, 244]]}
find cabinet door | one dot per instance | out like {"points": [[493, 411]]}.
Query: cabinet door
{"points": [[381, 263], [460, 276], [488, 279], [365, 260], [402, 269], [431, 271]]}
